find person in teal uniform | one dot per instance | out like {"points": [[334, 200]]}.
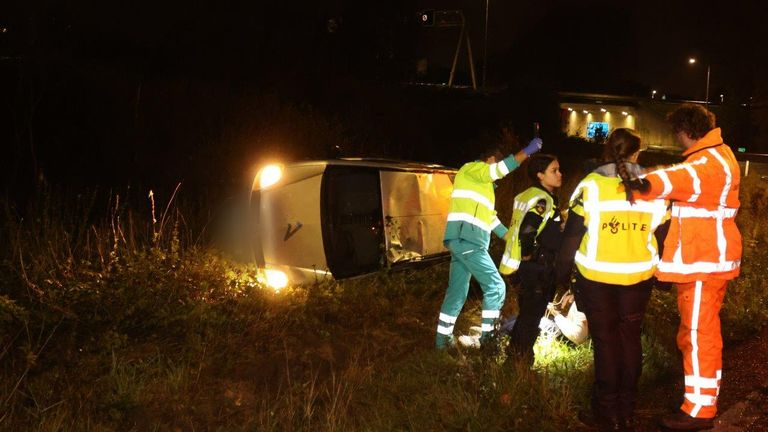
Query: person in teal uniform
{"points": [[471, 219]]}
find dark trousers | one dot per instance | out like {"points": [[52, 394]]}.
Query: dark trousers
{"points": [[615, 316], [537, 288]]}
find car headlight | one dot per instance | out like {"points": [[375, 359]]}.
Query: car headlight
{"points": [[270, 175], [276, 279]]}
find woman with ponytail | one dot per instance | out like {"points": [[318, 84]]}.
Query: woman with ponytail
{"points": [[622, 149], [614, 238]]}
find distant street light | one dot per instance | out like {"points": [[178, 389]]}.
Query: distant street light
{"points": [[427, 18], [653, 94], [692, 60]]}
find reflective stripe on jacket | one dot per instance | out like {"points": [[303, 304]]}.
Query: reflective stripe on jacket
{"points": [[703, 241], [472, 215], [619, 246], [524, 202]]}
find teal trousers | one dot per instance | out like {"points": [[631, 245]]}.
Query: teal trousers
{"points": [[470, 260]]}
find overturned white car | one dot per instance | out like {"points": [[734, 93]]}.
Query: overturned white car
{"points": [[348, 217]]}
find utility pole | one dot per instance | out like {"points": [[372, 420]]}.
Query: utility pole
{"points": [[485, 43], [453, 19], [463, 37], [706, 96], [692, 60]]}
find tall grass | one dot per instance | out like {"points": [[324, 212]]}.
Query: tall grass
{"points": [[125, 321]]}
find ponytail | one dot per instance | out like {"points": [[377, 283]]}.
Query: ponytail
{"points": [[620, 145]]}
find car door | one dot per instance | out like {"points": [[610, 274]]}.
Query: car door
{"points": [[415, 207], [352, 220]]}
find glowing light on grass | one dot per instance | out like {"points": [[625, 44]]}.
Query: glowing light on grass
{"points": [[548, 332], [270, 175], [276, 279], [554, 351]]}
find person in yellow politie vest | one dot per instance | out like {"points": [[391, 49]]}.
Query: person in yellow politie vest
{"points": [[614, 240], [471, 219], [532, 244]]}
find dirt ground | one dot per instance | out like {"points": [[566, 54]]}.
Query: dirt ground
{"points": [[744, 392], [743, 403]]}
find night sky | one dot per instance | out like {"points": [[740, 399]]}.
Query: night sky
{"points": [[155, 84], [642, 44], [626, 46]]}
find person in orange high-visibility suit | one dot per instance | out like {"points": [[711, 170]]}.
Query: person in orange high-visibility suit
{"points": [[702, 252]]}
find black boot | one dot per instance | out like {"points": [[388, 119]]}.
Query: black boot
{"points": [[628, 424], [683, 422], [596, 421]]}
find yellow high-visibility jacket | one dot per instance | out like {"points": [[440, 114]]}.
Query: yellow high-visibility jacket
{"points": [[524, 202], [619, 246], [472, 216]]}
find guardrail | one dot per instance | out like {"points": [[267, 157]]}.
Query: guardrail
{"points": [[753, 163]]}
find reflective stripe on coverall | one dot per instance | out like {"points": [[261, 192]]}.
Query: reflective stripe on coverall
{"points": [[471, 220], [469, 260], [702, 253]]}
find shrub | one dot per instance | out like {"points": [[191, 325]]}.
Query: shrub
{"points": [[124, 322]]}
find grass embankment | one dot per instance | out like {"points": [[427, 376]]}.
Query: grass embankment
{"points": [[128, 325]]}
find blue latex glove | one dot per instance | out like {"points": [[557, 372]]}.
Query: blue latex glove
{"points": [[533, 146]]}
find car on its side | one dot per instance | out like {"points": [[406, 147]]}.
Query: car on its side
{"points": [[342, 218]]}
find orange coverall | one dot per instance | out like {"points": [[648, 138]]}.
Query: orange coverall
{"points": [[702, 252]]}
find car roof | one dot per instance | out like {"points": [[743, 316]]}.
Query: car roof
{"points": [[377, 163]]}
